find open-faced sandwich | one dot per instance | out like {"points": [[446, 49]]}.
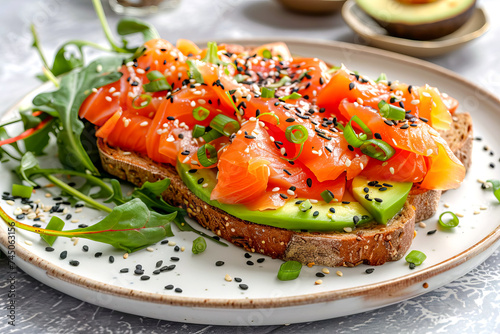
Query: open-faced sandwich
{"points": [[284, 156]]}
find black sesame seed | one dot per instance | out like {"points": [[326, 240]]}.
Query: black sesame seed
{"points": [[63, 254], [85, 248], [138, 267], [124, 270], [412, 265], [177, 248], [290, 120], [320, 274], [283, 196], [286, 171], [387, 122], [98, 254], [111, 259], [332, 210], [250, 263], [171, 118], [401, 104], [138, 271], [369, 270], [345, 202], [169, 287], [377, 135], [351, 86], [409, 88], [309, 182], [315, 213], [243, 286], [82, 226], [247, 255], [174, 258], [237, 279], [49, 249], [492, 165], [145, 278], [387, 185], [424, 119], [74, 263], [366, 190], [382, 189], [404, 126], [21, 216], [159, 263], [156, 272], [201, 180], [431, 232], [79, 205], [219, 263], [379, 200], [355, 219], [178, 290], [350, 148], [260, 260]]}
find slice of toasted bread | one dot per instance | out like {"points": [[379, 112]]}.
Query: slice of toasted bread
{"points": [[373, 244]]}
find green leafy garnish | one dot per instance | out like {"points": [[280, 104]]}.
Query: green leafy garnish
{"points": [[495, 184], [194, 73], [289, 270], [293, 96], [65, 103], [131, 227], [199, 245], [55, 224]]}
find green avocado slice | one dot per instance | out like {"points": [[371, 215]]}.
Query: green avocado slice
{"points": [[383, 199], [321, 217]]}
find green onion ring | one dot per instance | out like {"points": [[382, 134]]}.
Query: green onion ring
{"points": [[224, 124], [296, 134], [377, 149], [453, 222], [416, 257], [199, 245], [200, 113], [203, 158], [145, 97], [271, 114], [198, 131]]}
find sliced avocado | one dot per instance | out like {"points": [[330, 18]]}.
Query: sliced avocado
{"points": [[383, 199], [321, 217], [420, 21]]}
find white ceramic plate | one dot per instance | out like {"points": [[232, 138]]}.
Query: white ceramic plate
{"points": [[209, 299]]}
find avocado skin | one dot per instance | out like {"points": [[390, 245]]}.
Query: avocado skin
{"points": [[425, 31], [288, 217]]}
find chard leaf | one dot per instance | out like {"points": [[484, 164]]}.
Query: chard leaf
{"points": [[66, 102]]}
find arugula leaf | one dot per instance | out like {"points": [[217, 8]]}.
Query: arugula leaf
{"points": [[3, 152], [194, 73], [129, 25], [65, 102], [39, 140]]}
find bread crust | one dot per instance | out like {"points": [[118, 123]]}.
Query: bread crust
{"points": [[374, 244]]}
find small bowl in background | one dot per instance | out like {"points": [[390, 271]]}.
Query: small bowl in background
{"points": [[313, 7]]}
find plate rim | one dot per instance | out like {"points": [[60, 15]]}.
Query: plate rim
{"points": [[386, 287]]}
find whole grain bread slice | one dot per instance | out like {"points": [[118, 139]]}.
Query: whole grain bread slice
{"points": [[373, 244]]}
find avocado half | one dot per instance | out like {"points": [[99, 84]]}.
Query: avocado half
{"points": [[420, 21]]}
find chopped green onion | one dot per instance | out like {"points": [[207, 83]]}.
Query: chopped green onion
{"points": [[225, 125], [271, 114], [327, 196], [391, 112], [155, 75], [453, 222], [198, 131], [377, 149], [211, 135], [352, 138], [55, 224], [416, 257], [305, 206], [194, 73], [147, 98], [20, 190], [280, 83], [200, 113], [296, 134], [199, 245], [496, 188], [289, 270], [267, 54], [211, 55], [157, 86], [267, 93], [334, 69], [359, 122], [203, 158], [293, 96], [232, 102], [381, 77], [303, 74]]}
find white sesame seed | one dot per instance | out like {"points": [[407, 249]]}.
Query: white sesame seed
{"points": [[391, 170], [94, 90], [10, 202], [172, 243], [75, 241], [98, 68], [193, 104], [313, 201], [149, 249], [283, 151], [112, 89], [27, 242], [360, 101], [446, 205], [276, 189], [78, 210], [145, 123], [415, 102], [339, 273], [125, 256], [116, 94], [228, 278], [201, 101], [318, 282], [482, 207], [170, 139], [140, 71], [108, 98], [459, 215], [477, 212], [422, 224], [429, 151], [426, 94], [347, 162], [18, 211], [205, 185], [290, 192], [75, 220], [348, 229], [271, 138]]}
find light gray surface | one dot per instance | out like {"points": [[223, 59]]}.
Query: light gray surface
{"points": [[468, 305]]}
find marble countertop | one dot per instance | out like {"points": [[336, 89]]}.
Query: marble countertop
{"points": [[470, 304]]}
